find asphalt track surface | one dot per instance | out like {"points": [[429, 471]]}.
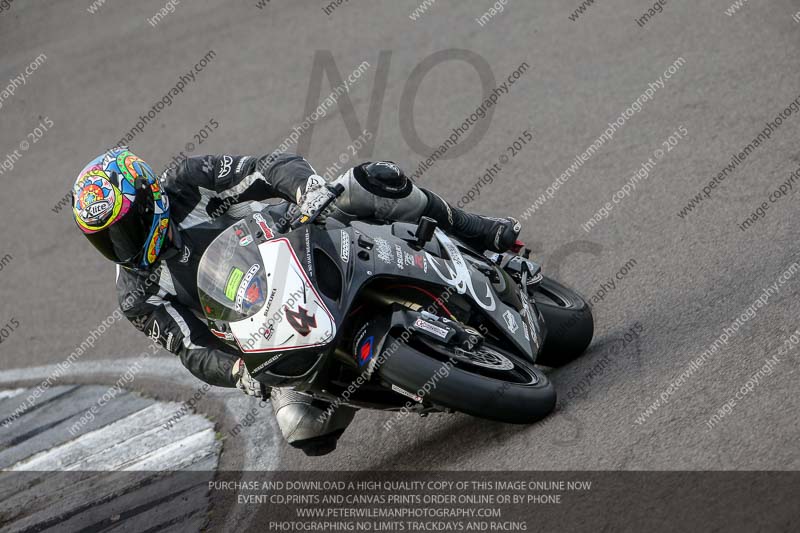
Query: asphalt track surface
{"points": [[690, 277]]}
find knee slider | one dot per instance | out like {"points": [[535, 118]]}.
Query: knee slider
{"points": [[384, 179]]}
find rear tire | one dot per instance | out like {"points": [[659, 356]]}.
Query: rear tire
{"points": [[569, 321], [475, 390]]}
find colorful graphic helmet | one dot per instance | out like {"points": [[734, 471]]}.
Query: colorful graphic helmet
{"points": [[118, 204]]}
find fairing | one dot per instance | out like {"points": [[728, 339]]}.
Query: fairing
{"points": [[289, 317]]}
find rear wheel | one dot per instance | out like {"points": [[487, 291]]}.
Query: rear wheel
{"points": [[569, 321], [487, 382]]}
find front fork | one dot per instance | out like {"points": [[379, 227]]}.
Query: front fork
{"points": [[527, 274]]}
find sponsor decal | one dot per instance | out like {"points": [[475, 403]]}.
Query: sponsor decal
{"points": [[365, 350], [254, 292], [170, 338], [269, 301], [431, 328], [225, 166], [245, 283], [421, 262], [497, 236], [139, 322], [242, 233], [264, 365], [449, 212], [301, 321], [525, 332], [406, 393], [511, 321], [242, 161], [227, 335], [232, 284], [459, 276], [399, 252], [240, 229], [314, 182], [97, 210], [409, 259], [384, 251], [528, 316], [187, 252], [308, 252], [344, 248], [358, 338], [391, 166], [96, 200], [155, 331], [262, 223]]}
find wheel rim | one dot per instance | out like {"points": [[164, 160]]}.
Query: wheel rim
{"points": [[507, 369], [484, 357]]}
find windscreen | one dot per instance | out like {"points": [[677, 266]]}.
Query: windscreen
{"points": [[231, 279]]}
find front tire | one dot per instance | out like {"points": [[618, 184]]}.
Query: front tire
{"points": [[478, 389], [569, 321]]}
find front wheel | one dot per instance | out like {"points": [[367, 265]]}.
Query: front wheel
{"points": [[569, 321], [487, 382]]}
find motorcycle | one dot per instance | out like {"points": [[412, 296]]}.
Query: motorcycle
{"points": [[390, 316]]}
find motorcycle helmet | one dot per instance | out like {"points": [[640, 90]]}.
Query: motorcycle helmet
{"points": [[120, 207]]}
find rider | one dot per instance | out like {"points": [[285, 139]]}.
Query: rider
{"points": [[157, 229]]}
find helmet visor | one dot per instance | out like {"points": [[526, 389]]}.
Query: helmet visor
{"points": [[125, 240]]}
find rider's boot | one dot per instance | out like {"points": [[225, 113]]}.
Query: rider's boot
{"points": [[480, 232]]}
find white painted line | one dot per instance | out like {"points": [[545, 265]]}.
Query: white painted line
{"points": [[181, 454], [10, 393], [261, 442], [121, 444]]}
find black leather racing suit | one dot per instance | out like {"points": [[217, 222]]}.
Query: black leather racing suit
{"points": [[163, 302]]}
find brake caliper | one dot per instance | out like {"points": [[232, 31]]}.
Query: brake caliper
{"points": [[447, 331]]}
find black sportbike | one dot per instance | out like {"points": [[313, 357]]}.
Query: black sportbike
{"points": [[382, 316]]}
